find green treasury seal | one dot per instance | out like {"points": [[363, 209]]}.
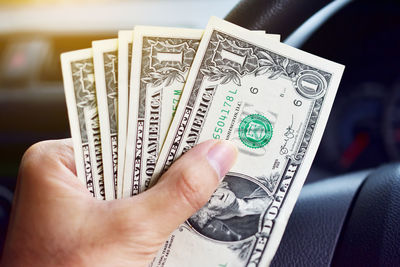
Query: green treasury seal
{"points": [[255, 131]]}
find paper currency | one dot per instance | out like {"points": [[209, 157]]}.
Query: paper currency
{"points": [[273, 101], [80, 93], [105, 59], [124, 66], [162, 58]]}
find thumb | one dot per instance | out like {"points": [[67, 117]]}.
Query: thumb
{"points": [[186, 186]]}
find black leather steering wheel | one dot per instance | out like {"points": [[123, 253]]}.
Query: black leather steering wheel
{"points": [[351, 220], [275, 16]]}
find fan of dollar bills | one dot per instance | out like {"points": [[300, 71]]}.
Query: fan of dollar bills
{"points": [[138, 102]]}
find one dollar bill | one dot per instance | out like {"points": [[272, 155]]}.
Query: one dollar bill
{"points": [[105, 59], [80, 93], [125, 39], [273, 101], [164, 56]]}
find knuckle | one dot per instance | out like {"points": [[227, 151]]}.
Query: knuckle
{"points": [[35, 156], [190, 190], [39, 149], [33, 150], [33, 153]]}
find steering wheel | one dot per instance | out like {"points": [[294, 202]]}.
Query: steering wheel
{"points": [[348, 220]]}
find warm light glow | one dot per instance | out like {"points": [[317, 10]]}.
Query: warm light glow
{"points": [[44, 2], [106, 16]]}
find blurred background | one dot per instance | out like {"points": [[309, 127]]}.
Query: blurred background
{"points": [[34, 33], [364, 127]]}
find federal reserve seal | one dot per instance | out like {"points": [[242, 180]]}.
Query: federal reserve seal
{"points": [[255, 131]]}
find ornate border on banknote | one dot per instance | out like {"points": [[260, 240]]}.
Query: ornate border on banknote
{"points": [[248, 59], [157, 69], [258, 62], [84, 98]]}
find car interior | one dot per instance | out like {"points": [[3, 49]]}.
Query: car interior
{"points": [[348, 212]]}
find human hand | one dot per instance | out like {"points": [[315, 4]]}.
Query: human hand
{"points": [[56, 222]]}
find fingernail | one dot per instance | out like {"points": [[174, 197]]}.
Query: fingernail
{"points": [[222, 156]]}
